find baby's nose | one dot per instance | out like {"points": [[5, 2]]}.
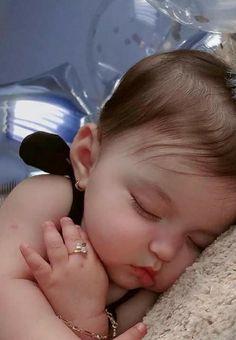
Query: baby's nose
{"points": [[166, 247]]}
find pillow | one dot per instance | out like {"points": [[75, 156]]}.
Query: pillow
{"points": [[201, 304]]}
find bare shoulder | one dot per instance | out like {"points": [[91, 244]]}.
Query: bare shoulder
{"points": [[38, 197], [32, 202]]}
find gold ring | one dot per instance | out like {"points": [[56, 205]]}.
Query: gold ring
{"points": [[81, 247]]}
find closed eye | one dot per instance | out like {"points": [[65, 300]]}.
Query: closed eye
{"points": [[142, 211]]}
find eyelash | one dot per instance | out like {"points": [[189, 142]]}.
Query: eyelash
{"points": [[141, 211]]}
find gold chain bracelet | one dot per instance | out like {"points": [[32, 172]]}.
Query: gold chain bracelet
{"points": [[93, 335], [113, 322]]}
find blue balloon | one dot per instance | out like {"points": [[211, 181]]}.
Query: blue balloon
{"points": [[122, 32], [52, 102], [212, 16]]}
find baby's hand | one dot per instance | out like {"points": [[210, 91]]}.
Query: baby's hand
{"points": [[75, 284]]}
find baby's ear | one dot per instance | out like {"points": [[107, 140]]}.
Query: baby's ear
{"points": [[84, 152]]}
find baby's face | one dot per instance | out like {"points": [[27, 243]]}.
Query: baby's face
{"points": [[148, 221]]}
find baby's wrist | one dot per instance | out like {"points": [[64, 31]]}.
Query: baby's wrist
{"points": [[82, 312], [96, 327], [96, 321], [87, 314]]}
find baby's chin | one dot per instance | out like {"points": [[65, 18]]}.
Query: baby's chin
{"points": [[161, 286], [123, 281], [157, 289]]}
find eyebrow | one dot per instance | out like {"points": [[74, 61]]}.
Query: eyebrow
{"points": [[155, 187]]}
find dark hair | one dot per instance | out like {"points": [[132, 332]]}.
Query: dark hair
{"points": [[183, 95]]}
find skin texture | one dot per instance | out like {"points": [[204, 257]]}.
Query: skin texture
{"points": [[165, 228]]}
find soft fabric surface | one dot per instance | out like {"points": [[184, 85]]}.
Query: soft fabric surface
{"points": [[201, 305]]}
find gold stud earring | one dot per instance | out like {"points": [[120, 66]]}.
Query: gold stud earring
{"points": [[78, 187]]}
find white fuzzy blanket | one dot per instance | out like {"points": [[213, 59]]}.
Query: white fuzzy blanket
{"points": [[201, 305]]}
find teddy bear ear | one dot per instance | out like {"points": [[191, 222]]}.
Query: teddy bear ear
{"points": [[47, 152]]}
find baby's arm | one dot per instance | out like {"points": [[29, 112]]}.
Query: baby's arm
{"points": [[25, 314], [75, 284]]}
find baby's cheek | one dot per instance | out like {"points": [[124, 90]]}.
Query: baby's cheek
{"points": [[189, 254], [173, 270]]}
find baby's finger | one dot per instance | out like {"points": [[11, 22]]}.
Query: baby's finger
{"points": [[56, 249], [136, 332], [38, 266], [71, 234]]}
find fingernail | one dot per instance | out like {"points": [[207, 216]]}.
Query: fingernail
{"points": [[141, 327], [66, 219], [24, 247]]}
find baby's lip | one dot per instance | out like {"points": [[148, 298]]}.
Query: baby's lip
{"points": [[146, 275], [150, 271]]}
